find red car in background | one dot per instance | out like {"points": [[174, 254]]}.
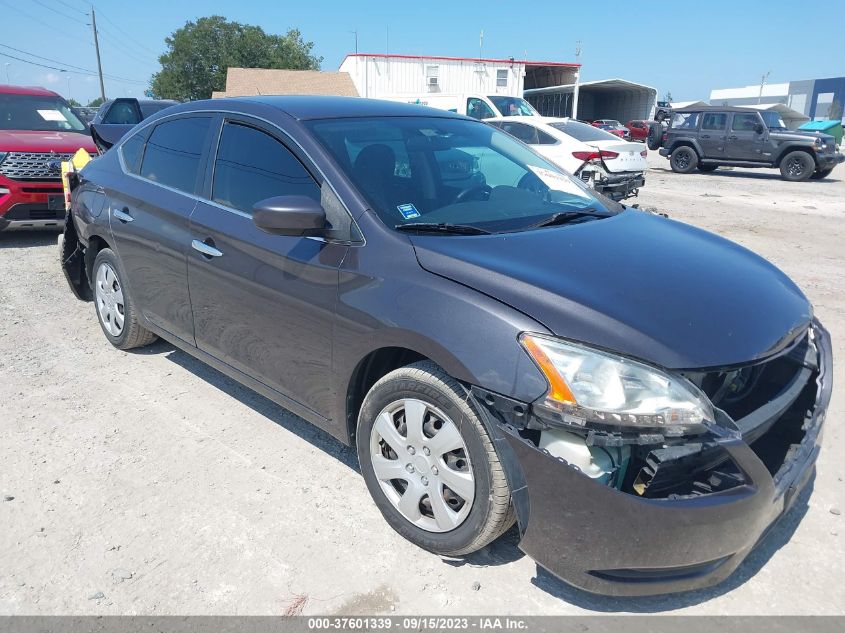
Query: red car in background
{"points": [[614, 127], [37, 127], [638, 129]]}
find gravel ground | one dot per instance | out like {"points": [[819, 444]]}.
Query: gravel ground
{"points": [[148, 483]]}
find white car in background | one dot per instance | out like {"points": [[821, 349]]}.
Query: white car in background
{"points": [[611, 166]]}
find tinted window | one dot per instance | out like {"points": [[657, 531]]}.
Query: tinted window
{"points": [[477, 109], [525, 133], [714, 121], [745, 122], [122, 113], [252, 165], [584, 132], [174, 151], [132, 150]]}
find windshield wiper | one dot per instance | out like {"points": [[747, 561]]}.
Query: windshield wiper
{"points": [[565, 217], [442, 227]]}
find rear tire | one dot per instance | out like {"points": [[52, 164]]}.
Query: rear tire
{"points": [[797, 166], [821, 173], [114, 306], [390, 442], [707, 168], [683, 160]]}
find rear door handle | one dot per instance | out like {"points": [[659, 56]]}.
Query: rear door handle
{"points": [[123, 215], [733, 138], [207, 249]]}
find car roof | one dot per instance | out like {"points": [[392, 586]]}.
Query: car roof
{"points": [[33, 91], [717, 109], [305, 107]]}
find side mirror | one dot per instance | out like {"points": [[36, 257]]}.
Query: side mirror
{"points": [[297, 216], [759, 128]]}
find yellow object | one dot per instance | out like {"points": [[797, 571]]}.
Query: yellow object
{"points": [[77, 162]]}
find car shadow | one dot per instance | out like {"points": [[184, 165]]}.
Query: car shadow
{"points": [[779, 535], [28, 239], [752, 174], [258, 403]]}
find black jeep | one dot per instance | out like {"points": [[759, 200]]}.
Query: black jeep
{"points": [[710, 136]]}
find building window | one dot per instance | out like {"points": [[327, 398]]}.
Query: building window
{"points": [[502, 78], [432, 77]]}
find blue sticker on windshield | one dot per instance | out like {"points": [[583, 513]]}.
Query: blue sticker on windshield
{"points": [[408, 211]]}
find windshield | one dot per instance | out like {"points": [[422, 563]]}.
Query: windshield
{"points": [[773, 120], [450, 171], [584, 132], [513, 106], [42, 114]]}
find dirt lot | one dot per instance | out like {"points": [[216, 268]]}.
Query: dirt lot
{"points": [[147, 483]]}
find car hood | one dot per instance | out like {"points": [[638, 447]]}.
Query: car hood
{"points": [[799, 135], [33, 141], [635, 283]]}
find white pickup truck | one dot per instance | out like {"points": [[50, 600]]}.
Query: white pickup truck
{"points": [[474, 105]]}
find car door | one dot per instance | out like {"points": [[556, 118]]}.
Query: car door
{"points": [[149, 216], [744, 142], [263, 304], [713, 133]]}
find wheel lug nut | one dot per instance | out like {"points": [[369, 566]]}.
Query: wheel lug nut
{"points": [[424, 480], [426, 450], [434, 470], [409, 468], [411, 450]]}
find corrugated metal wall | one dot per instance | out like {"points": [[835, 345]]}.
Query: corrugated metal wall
{"points": [[380, 77]]}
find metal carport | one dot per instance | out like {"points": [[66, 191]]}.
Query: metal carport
{"points": [[606, 99]]}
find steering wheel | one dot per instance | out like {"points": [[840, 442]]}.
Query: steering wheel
{"points": [[483, 192]]}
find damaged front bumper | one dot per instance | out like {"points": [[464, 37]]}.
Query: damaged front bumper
{"points": [[615, 541], [619, 186]]}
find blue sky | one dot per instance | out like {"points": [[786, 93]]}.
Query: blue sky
{"points": [[686, 48]]}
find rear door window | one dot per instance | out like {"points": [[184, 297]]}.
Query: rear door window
{"points": [[174, 152], [714, 121], [252, 166]]}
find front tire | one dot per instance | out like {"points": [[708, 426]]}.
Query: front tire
{"points": [[821, 173], [797, 166], [683, 160], [114, 306], [429, 462]]}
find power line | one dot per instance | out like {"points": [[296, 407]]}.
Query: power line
{"points": [[34, 19], [55, 61], [61, 13], [71, 7], [79, 71], [126, 35], [117, 44]]}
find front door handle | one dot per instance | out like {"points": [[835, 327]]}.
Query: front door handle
{"points": [[123, 215], [206, 248], [733, 138]]}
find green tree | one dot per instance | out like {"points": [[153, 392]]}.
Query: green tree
{"points": [[199, 54], [96, 103], [73, 103]]}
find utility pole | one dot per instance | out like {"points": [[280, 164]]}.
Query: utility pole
{"points": [[97, 49], [577, 80], [355, 33], [762, 83]]}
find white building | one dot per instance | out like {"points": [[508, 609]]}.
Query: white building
{"points": [[414, 76], [816, 99]]}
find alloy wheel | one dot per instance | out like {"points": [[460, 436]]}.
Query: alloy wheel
{"points": [[422, 465], [109, 298]]}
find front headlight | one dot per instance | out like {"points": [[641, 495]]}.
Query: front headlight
{"points": [[588, 387]]}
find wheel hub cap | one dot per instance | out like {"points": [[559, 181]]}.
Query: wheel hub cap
{"points": [[109, 298], [422, 464]]}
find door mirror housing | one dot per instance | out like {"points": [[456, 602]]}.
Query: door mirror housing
{"points": [[296, 216], [759, 128]]}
